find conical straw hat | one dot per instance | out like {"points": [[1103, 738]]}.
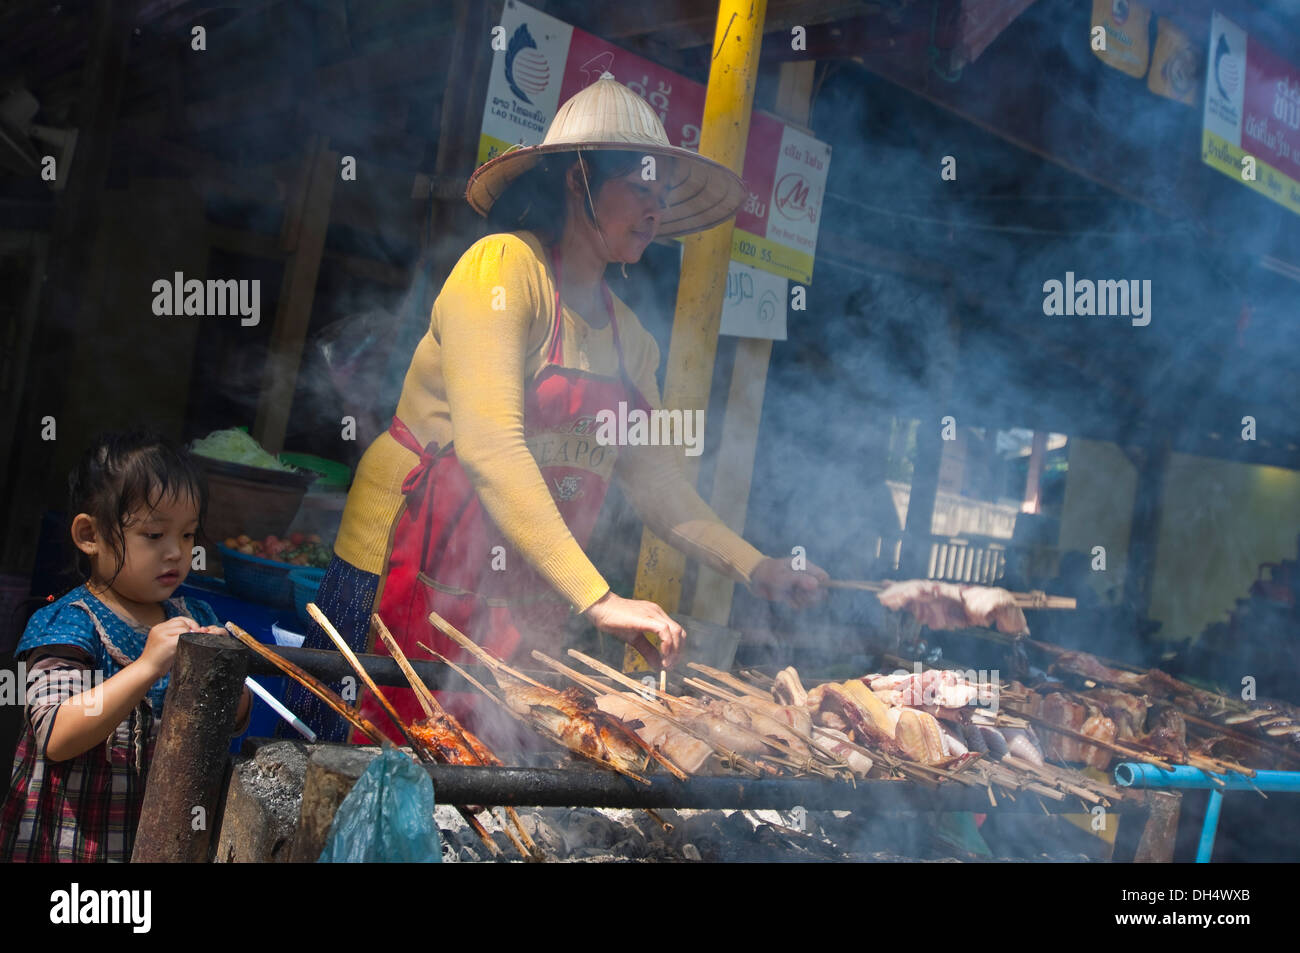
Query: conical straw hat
{"points": [[607, 115]]}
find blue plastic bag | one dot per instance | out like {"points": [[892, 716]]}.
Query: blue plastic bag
{"points": [[387, 817]]}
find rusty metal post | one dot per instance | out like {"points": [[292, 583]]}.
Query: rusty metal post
{"points": [[183, 793]]}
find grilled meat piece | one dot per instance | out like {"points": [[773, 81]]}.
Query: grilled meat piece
{"points": [[814, 700], [937, 605], [720, 723], [1087, 666], [995, 741], [866, 701], [1023, 744], [791, 716], [953, 744], [441, 736], [1103, 729], [974, 739], [862, 723], [945, 605], [828, 719], [840, 745], [919, 737], [682, 749], [776, 723], [1169, 735], [1056, 709], [940, 687], [1129, 712], [787, 689], [989, 606], [576, 723]]}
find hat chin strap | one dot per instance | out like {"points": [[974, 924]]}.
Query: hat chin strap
{"points": [[592, 205]]}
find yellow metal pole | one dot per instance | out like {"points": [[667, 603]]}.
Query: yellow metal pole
{"points": [[727, 105], [735, 469]]}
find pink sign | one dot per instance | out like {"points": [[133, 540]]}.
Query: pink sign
{"points": [[1271, 110]]}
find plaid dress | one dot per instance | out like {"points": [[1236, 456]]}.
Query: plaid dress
{"points": [[85, 808]]}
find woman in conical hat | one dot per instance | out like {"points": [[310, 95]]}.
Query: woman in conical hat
{"points": [[478, 500]]}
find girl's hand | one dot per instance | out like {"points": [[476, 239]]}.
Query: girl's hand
{"points": [[630, 619], [160, 647], [774, 579]]}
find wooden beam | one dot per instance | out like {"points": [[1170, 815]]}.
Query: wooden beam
{"points": [[297, 294], [734, 471]]}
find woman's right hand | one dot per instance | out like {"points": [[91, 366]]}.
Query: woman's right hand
{"points": [[630, 619]]}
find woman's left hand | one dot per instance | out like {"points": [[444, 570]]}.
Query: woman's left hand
{"points": [[777, 580]]}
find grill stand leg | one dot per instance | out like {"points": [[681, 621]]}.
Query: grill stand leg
{"points": [[1156, 846], [183, 794]]}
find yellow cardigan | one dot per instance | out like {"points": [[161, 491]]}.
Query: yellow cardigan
{"points": [[487, 339]]}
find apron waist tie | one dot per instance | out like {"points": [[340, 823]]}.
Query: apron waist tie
{"points": [[419, 476]]}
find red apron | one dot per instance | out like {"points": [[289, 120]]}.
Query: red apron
{"points": [[444, 554]]}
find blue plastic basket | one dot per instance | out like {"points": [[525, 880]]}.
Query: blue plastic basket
{"points": [[306, 583], [257, 579]]}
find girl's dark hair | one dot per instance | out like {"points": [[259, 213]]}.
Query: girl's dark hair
{"points": [[123, 472], [536, 200]]}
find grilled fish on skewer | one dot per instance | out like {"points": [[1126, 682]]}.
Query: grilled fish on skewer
{"points": [[565, 716]]}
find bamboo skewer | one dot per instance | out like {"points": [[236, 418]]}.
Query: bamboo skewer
{"points": [[726, 678], [736, 761], [345, 650], [345, 711], [417, 746], [312, 684], [433, 707], [1024, 600], [790, 755]]}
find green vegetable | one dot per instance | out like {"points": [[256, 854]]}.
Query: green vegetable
{"points": [[235, 446]]}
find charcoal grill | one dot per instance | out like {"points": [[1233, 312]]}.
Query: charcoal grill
{"points": [[190, 765]]}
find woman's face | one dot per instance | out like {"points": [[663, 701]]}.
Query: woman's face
{"points": [[628, 210]]}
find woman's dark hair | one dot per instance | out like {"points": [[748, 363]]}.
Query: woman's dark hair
{"points": [[121, 473], [536, 200]]}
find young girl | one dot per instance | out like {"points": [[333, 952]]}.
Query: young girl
{"points": [[98, 659]]}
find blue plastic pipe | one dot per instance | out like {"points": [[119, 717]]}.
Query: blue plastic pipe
{"points": [[1205, 849], [1140, 775]]}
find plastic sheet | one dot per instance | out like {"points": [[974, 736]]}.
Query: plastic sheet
{"points": [[387, 817]]}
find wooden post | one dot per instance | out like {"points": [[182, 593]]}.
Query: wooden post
{"points": [[1156, 845], [728, 103], [331, 773], [1034, 478], [1144, 531], [305, 223], [734, 472], [183, 794]]}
